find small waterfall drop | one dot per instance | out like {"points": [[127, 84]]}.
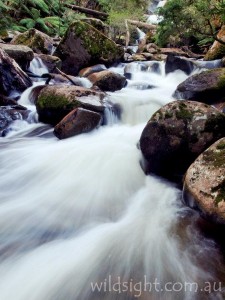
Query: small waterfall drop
{"points": [[37, 67]]}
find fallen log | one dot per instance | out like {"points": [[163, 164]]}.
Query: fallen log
{"points": [[88, 11], [142, 24]]}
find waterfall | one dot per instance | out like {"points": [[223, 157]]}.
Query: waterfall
{"points": [[37, 67], [79, 220]]}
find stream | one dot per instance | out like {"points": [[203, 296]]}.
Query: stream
{"points": [[79, 219]]}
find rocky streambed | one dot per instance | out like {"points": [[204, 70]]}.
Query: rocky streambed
{"points": [[92, 166]]}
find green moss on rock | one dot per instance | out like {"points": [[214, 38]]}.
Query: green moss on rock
{"points": [[84, 45], [56, 102], [220, 190], [37, 41], [215, 158], [183, 113]]}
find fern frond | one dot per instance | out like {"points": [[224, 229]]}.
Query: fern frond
{"points": [[40, 4], [28, 23]]}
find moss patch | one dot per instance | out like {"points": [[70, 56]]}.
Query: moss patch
{"points": [[56, 102], [215, 158], [96, 43], [220, 189], [183, 113], [32, 39]]}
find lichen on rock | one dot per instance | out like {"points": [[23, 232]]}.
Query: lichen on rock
{"points": [[205, 182]]}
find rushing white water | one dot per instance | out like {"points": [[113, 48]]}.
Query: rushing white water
{"points": [[37, 67], [80, 212]]}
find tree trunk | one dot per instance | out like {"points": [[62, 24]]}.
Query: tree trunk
{"points": [[88, 11]]}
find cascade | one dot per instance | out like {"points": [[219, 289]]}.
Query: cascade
{"points": [[79, 220]]}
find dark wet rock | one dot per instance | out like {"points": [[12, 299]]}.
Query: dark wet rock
{"points": [[35, 93], [50, 61], [55, 102], [5, 101], [10, 114], [207, 87], [93, 69], [174, 63], [204, 185], [176, 134], [12, 77], [23, 55], [76, 122], [83, 45], [38, 41], [108, 80]]}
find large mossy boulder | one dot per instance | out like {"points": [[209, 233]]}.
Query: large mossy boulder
{"points": [[204, 186], [207, 87], [176, 134], [217, 50], [76, 122], [12, 77], [83, 45], [23, 55], [55, 102], [108, 80], [38, 41]]}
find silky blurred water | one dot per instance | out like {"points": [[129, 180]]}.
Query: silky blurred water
{"points": [[80, 220]]}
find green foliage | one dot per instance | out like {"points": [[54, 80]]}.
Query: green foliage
{"points": [[48, 16], [53, 16], [120, 10], [184, 19]]}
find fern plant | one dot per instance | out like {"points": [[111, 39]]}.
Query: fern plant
{"points": [[47, 24]]}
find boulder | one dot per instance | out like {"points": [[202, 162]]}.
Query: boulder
{"points": [[207, 87], [204, 185], [146, 56], [217, 50], [83, 45], [152, 48], [93, 69], [108, 80], [38, 41], [176, 134], [55, 102], [138, 57], [50, 61], [76, 122], [10, 114], [12, 77], [173, 51], [23, 55], [174, 63], [98, 24]]}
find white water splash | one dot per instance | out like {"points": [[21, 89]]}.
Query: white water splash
{"points": [[37, 66]]}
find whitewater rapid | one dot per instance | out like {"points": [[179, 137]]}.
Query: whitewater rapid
{"points": [[79, 216]]}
